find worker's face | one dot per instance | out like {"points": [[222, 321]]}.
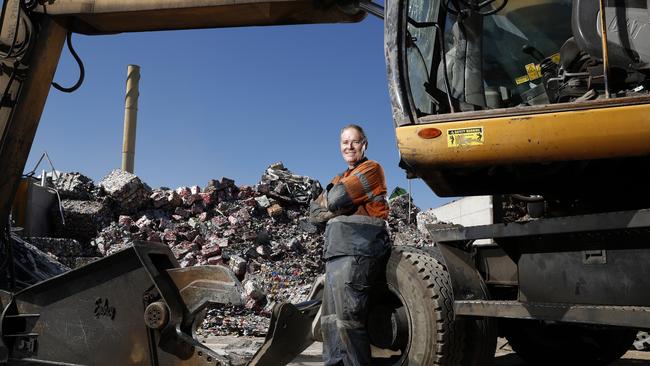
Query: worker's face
{"points": [[353, 146]]}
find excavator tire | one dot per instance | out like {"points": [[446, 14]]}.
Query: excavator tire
{"points": [[420, 283], [480, 334], [543, 343]]}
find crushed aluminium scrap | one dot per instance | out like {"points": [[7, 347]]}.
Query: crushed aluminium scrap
{"points": [[262, 233]]}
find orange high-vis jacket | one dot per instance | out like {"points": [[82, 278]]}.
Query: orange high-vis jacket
{"points": [[363, 188]]}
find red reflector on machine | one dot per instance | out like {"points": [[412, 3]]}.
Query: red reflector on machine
{"points": [[429, 133]]}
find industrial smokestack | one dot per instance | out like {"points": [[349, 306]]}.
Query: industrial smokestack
{"points": [[130, 117]]}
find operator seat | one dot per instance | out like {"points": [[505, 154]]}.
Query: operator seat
{"points": [[628, 31]]}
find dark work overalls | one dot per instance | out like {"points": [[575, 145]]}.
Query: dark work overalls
{"points": [[355, 248]]}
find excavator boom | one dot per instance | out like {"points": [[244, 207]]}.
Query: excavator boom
{"points": [[107, 16]]}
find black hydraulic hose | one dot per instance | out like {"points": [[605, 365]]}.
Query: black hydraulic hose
{"points": [[474, 7], [30, 4], [17, 50], [4, 240], [448, 9], [525, 198], [372, 8], [496, 10], [411, 42], [82, 71], [443, 55], [12, 77], [15, 40], [8, 261]]}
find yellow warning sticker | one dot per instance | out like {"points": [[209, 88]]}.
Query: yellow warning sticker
{"points": [[534, 71], [555, 58], [522, 79], [468, 136]]}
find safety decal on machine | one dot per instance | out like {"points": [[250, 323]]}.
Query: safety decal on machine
{"points": [[534, 71], [556, 58], [522, 79], [469, 136]]}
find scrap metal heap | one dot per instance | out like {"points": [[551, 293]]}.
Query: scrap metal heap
{"points": [[261, 232]]}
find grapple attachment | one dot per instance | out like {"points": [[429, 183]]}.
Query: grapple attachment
{"points": [[136, 307]]}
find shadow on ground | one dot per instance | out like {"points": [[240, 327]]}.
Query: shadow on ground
{"points": [[514, 360], [243, 348]]}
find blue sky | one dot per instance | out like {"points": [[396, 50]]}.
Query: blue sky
{"points": [[225, 102]]}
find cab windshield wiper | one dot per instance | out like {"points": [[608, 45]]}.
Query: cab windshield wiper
{"points": [[443, 56]]}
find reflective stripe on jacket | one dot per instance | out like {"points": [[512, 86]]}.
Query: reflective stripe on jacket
{"points": [[363, 188], [362, 193]]}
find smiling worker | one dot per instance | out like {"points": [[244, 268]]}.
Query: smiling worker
{"points": [[356, 241]]}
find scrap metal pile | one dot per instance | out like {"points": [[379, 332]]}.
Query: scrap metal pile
{"points": [[261, 232]]}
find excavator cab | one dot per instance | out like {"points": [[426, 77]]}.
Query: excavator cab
{"points": [[520, 93], [497, 55], [540, 107]]}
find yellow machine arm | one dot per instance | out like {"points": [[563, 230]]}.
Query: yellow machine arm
{"points": [[110, 16]]}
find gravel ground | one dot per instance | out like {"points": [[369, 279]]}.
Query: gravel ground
{"points": [[242, 348]]}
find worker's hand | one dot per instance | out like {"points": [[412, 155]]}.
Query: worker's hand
{"points": [[321, 200], [318, 213]]}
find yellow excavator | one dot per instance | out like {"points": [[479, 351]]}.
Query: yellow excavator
{"points": [[542, 105]]}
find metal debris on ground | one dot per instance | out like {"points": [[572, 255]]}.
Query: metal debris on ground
{"points": [[402, 220], [279, 183], [262, 233], [126, 189], [73, 185], [83, 219], [69, 252]]}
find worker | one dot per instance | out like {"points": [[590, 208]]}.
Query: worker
{"points": [[354, 207]]}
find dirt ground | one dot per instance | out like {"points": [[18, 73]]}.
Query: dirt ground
{"points": [[242, 348]]}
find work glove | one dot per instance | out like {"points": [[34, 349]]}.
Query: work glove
{"points": [[318, 212]]}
